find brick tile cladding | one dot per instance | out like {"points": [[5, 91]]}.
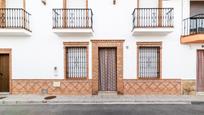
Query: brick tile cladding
{"points": [[152, 87], [67, 87], [84, 87]]}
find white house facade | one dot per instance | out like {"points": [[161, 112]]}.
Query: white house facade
{"points": [[83, 47]]}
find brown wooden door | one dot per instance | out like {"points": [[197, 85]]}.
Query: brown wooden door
{"points": [[4, 73], [2, 13], [107, 69], [200, 71]]}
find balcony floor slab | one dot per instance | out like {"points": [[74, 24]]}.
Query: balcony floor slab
{"points": [[155, 30], [67, 32], [196, 38], [14, 32]]}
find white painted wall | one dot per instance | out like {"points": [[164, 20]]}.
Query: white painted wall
{"points": [[35, 57]]}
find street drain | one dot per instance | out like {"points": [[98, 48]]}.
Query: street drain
{"points": [[2, 97], [50, 97]]}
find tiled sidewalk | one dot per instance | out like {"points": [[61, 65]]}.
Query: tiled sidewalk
{"points": [[39, 99]]}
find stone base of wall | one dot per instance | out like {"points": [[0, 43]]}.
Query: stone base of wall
{"points": [[188, 87], [152, 87], [67, 87]]}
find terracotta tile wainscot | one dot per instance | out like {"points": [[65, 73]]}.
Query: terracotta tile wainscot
{"points": [[152, 87], [67, 87], [84, 87]]}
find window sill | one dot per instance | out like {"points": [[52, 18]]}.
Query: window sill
{"points": [[71, 79]]}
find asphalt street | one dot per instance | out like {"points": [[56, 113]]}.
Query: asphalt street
{"points": [[63, 109]]}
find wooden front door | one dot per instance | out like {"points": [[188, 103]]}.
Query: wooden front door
{"points": [[200, 71], [107, 69], [4, 72]]}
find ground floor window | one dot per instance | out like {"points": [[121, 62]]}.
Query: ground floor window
{"points": [[76, 62], [149, 62]]}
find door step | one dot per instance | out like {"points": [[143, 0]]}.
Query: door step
{"points": [[200, 93], [107, 93], [4, 93]]}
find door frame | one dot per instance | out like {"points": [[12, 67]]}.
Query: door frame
{"points": [[197, 70], [115, 48], [96, 44], [9, 52]]}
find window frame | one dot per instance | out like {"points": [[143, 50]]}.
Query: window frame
{"points": [[76, 45], [154, 45]]}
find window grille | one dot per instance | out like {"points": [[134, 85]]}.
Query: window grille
{"points": [[149, 62], [77, 62]]}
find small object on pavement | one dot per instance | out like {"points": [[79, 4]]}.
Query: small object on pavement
{"points": [[50, 97], [2, 97]]}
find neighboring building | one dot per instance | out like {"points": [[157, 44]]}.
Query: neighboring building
{"points": [[82, 47]]}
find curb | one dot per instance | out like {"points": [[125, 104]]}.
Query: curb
{"points": [[197, 102], [92, 102]]}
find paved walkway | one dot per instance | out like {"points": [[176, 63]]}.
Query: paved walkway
{"points": [[39, 99]]}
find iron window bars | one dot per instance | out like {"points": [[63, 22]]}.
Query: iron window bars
{"points": [[76, 62], [149, 62]]}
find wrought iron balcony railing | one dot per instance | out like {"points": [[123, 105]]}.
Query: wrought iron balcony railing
{"points": [[153, 17], [14, 18], [193, 25], [72, 18]]}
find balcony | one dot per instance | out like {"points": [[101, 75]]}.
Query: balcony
{"points": [[153, 20], [72, 21], [14, 22], [193, 30]]}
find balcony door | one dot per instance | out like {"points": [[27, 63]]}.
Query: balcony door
{"points": [[76, 4], [148, 3], [14, 3], [197, 17], [76, 15], [150, 13], [11, 13]]}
